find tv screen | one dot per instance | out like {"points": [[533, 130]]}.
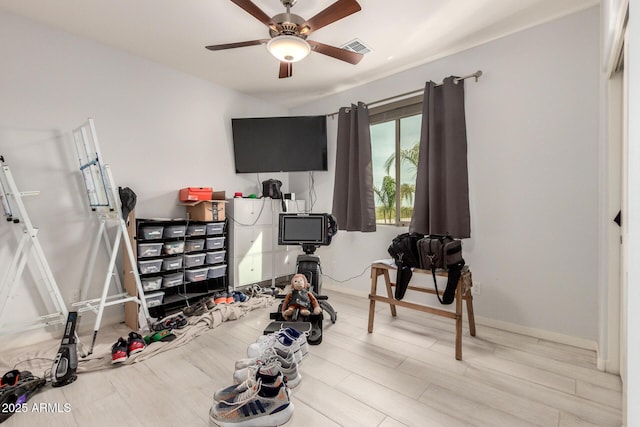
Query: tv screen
{"points": [[298, 229], [280, 144]]}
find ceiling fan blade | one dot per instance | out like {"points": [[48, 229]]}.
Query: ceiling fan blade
{"points": [[254, 11], [336, 52], [238, 44], [333, 13], [286, 70]]}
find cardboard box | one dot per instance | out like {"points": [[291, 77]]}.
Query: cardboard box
{"points": [[192, 194], [208, 210]]}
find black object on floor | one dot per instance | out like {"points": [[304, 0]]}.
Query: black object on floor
{"points": [[64, 367]]}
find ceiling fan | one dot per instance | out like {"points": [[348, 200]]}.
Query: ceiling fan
{"points": [[289, 33]]}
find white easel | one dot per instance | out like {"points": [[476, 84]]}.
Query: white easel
{"points": [[104, 200], [15, 212]]}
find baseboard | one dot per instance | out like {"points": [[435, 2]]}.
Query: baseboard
{"points": [[499, 324], [538, 333]]}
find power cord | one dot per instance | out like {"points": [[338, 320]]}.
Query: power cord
{"points": [[350, 278]]}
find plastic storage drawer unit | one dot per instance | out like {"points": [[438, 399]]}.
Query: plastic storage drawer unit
{"points": [[215, 257], [154, 299], [196, 275], [174, 231], [194, 260], [215, 228], [149, 232], [215, 243], [194, 245], [170, 280], [172, 263], [151, 283], [149, 266], [217, 271], [146, 250], [197, 230], [173, 248]]}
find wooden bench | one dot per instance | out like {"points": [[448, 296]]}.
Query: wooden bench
{"points": [[463, 292]]}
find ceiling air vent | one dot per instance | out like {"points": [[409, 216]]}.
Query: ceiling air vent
{"points": [[357, 46]]}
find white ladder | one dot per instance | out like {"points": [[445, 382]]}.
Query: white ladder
{"points": [[104, 200], [15, 212]]}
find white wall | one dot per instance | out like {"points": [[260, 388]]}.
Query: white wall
{"points": [[533, 129], [159, 129], [631, 382]]}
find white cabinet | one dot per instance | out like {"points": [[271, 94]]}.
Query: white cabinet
{"points": [[255, 255]]}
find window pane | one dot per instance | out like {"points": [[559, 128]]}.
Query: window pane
{"points": [[383, 144], [409, 145]]}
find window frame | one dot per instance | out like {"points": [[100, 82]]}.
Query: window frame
{"points": [[395, 111]]}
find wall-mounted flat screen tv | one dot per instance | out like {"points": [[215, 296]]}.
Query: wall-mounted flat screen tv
{"points": [[280, 144]]}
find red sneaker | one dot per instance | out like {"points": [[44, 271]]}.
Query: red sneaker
{"points": [[135, 344], [119, 351]]}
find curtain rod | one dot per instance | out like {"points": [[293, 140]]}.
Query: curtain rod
{"points": [[477, 75]]}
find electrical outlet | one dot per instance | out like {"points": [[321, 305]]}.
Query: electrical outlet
{"points": [[475, 289]]}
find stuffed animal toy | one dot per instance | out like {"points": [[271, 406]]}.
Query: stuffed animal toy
{"points": [[299, 297]]}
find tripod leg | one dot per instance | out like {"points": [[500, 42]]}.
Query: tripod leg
{"points": [[327, 307]]}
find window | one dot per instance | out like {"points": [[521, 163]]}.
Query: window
{"points": [[395, 141]]}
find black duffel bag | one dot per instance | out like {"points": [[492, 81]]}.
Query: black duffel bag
{"points": [[442, 252], [404, 250]]}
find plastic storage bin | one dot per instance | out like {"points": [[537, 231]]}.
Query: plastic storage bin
{"points": [[151, 283], [215, 257], [149, 266], [197, 230], [196, 275], [154, 299], [194, 260], [174, 231], [217, 271], [215, 228], [149, 232], [194, 245], [172, 263], [173, 279], [146, 250], [215, 243], [173, 248]]}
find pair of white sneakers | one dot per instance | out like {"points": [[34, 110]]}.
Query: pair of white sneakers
{"points": [[287, 340]]}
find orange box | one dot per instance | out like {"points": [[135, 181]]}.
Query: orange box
{"points": [[194, 194]]}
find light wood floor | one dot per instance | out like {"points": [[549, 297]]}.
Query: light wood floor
{"points": [[404, 374]]}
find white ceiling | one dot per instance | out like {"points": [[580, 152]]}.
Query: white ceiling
{"points": [[402, 34]]}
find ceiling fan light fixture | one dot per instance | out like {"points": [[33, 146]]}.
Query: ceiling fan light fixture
{"points": [[288, 48]]}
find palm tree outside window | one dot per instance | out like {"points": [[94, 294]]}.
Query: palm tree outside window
{"points": [[395, 141]]}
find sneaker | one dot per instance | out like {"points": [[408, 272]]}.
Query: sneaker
{"points": [[258, 406], [299, 337], [275, 340], [271, 367], [135, 344], [285, 358], [196, 309], [220, 298], [228, 394], [211, 303], [164, 336], [239, 296], [119, 351]]}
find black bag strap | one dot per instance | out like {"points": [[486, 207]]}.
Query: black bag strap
{"points": [[455, 271]]}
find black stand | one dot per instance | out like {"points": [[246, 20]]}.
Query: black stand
{"points": [[309, 265]]}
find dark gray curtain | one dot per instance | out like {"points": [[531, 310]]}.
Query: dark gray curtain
{"points": [[353, 200], [442, 186]]}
